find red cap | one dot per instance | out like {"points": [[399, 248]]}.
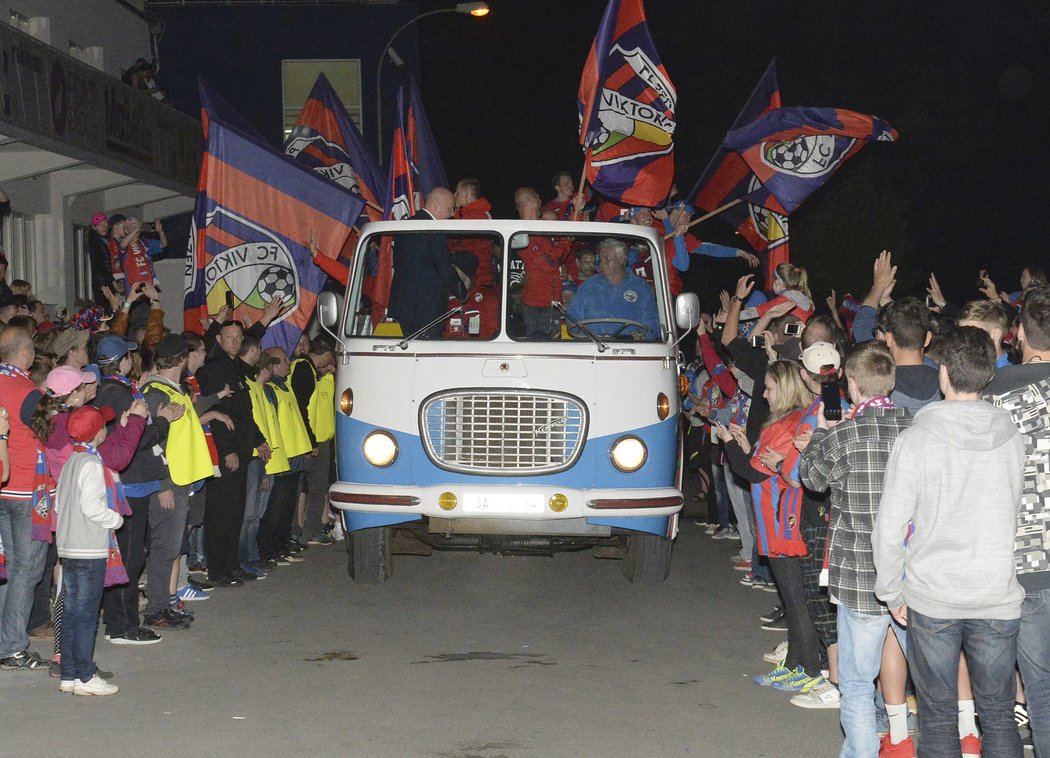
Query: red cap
{"points": [[85, 422]]}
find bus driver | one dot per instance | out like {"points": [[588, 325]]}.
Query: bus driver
{"points": [[615, 301]]}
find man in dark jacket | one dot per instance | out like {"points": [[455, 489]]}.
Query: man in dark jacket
{"points": [[423, 271], [226, 493]]}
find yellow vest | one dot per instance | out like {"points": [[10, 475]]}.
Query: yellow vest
{"points": [[187, 449], [293, 430], [265, 416], [322, 408]]}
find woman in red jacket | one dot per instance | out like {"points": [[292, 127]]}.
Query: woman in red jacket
{"points": [[788, 398]]}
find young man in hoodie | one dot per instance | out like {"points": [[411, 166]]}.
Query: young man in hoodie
{"points": [[944, 558], [1024, 391]]}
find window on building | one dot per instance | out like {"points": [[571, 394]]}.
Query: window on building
{"points": [[81, 263], [35, 26], [298, 77], [90, 55], [19, 245], [18, 20]]}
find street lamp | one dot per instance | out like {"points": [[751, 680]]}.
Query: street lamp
{"points": [[468, 9]]}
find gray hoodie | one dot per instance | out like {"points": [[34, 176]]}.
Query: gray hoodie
{"points": [[956, 476]]}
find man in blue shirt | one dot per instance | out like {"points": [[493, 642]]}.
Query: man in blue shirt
{"points": [[616, 295]]}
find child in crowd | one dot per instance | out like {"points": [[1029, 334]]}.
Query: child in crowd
{"points": [[90, 505]]}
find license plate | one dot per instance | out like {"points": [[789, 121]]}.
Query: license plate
{"points": [[499, 502]]}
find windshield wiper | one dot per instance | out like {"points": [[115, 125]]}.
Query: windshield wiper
{"points": [[403, 344], [602, 347]]}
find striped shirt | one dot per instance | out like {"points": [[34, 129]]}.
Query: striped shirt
{"points": [[850, 459]]}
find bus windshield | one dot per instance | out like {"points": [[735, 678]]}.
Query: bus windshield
{"points": [[468, 285]]}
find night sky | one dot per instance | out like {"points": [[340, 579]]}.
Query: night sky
{"points": [[966, 84]]}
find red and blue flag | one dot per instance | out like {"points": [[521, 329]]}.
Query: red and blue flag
{"points": [[728, 178], [326, 139], [627, 111], [402, 201], [255, 213], [793, 151], [420, 146]]}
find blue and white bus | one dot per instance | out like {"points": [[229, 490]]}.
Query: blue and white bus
{"points": [[482, 439]]}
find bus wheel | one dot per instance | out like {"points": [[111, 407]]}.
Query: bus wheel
{"points": [[369, 555], [648, 559]]}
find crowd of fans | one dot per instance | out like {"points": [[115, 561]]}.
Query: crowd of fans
{"points": [[114, 434], [883, 464]]}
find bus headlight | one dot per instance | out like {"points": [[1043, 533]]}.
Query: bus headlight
{"points": [[346, 402], [380, 449], [628, 454]]}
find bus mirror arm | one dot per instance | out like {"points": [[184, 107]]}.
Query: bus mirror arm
{"points": [[602, 347], [403, 344]]}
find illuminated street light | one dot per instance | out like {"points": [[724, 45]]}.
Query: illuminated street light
{"points": [[477, 10]]}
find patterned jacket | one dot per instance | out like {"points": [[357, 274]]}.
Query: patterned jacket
{"points": [[1025, 392]]}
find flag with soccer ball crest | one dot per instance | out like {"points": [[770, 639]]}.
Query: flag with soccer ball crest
{"points": [[256, 211]]}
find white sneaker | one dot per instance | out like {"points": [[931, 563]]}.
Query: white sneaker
{"points": [[96, 685], [823, 695], [66, 685], [778, 655]]}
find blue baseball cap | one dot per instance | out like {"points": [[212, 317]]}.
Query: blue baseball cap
{"points": [[113, 348]]}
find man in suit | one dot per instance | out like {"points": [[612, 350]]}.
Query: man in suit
{"points": [[423, 272]]}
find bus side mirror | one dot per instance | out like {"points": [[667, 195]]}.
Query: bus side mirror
{"points": [[687, 311], [328, 310]]}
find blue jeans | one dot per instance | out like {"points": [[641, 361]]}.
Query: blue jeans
{"points": [[254, 508], [933, 660], [83, 581], [740, 497], [25, 566], [718, 484], [1033, 659], [860, 638]]}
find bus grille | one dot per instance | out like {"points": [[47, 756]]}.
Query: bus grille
{"points": [[503, 431]]}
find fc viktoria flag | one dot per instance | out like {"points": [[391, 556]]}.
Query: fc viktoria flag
{"points": [[325, 139], [793, 151], [728, 177], [626, 104], [255, 212]]}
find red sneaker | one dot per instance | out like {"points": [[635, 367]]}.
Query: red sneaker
{"points": [[903, 749], [742, 565], [971, 746]]}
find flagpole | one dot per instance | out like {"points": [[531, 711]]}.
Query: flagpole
{"points": [[583, 180], [706, 216]]}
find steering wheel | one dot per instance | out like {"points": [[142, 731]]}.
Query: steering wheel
{"points": [[625, 323]]}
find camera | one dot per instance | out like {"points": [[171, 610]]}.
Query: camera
{"points": [[793, 329], [757, 341]]}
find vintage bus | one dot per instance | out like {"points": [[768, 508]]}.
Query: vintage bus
{"points": [[481, 434]]}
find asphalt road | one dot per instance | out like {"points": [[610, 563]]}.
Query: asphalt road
{"points": [[457, 655]]}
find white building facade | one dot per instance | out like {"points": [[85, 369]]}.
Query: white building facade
{"points": [[75, 140]]}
